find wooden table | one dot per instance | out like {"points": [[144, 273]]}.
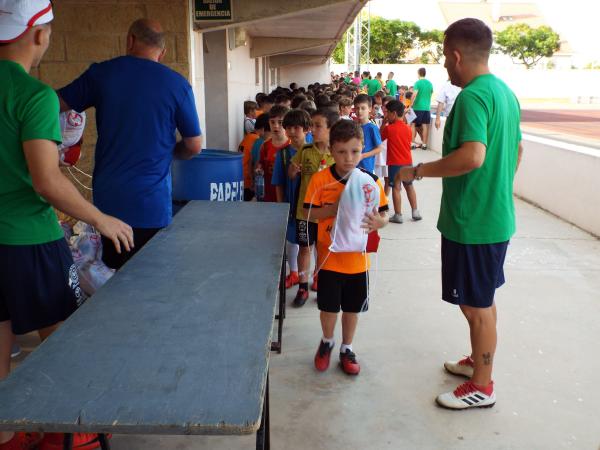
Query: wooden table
{"points": [[177, 342]]}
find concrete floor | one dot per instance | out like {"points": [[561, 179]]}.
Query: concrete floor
{"points": [[547, 364]]}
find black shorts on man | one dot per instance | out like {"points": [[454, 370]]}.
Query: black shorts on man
{"points": [[39, 285], [471, 273], [348, 292]]}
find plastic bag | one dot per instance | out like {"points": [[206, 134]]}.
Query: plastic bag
{"points": [[360, 196]]}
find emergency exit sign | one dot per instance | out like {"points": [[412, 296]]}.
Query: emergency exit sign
{"points": [[215, 10]]}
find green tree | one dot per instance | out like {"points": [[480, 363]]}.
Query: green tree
{"points": [[527, 45], [432, 43], [391, 40], [389, 43]]}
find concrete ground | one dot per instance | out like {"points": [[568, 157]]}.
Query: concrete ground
{"points": [[547, 365]]}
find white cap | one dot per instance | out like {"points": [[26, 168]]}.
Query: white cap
{"points": [[18, 16]]}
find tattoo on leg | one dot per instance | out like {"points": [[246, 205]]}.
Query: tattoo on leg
{"points": [[487, 358]]}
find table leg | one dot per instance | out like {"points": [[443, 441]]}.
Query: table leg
{"points": [[104, 442], [276, 346], [68, 441], [263, 435]]}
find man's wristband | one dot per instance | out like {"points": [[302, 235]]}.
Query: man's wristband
{"points": [[415, 172]]}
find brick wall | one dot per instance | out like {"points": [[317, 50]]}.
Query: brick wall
{"points": [[84, 32]]}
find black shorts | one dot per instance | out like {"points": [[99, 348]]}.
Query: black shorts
{"points": [[39, 285], [306, 233], [112, 259], [471, 273], [423, 118], [348, 292]]}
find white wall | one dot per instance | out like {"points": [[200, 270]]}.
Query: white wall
{"points": [[527, 84], [559, 177], [197, 75], [241, 86], [305, 74]]}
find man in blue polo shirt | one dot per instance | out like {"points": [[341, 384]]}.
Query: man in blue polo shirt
{"points": [[139, 103]]}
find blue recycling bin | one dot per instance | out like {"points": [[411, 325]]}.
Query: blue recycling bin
{"points": [[215, 175]]}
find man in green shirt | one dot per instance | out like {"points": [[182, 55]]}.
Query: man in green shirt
{"points": [[423, 90], [39, 286], [391, 86], [481, 154]]}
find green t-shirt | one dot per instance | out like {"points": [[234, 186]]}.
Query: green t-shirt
{"points": [[373, 87], [347, 80], [29, 111], [478, 207], [423, 100], [312, 160], [392, 87]]}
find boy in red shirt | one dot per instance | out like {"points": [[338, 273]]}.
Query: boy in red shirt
{"points": [[269, 150], [399, 137]]}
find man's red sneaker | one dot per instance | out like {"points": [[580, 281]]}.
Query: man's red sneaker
{"points": [[314, 285], [22, 441], [81, 441], [349, 363], [323, 356], [291, 280]]}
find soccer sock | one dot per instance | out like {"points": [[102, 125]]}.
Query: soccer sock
{"points": [[331, 341], [303, 286], [344, 347], [292, 255]]}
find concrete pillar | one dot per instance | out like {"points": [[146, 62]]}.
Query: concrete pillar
{"points": [[216, 90]]}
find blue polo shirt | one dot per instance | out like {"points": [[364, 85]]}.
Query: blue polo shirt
{"points": [[372, 139], [139, 105]]}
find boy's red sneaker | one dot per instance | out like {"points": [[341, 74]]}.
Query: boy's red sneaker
{"points": [[292, 279], [349, 363], [300, 298], [314, 285], [323, 356], [81, 441], [22, 441]]}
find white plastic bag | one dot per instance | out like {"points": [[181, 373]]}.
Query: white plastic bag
{"points": [[72, 124], [360, 196]]}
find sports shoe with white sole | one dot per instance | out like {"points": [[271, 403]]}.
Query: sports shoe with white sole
{"points": [[416, 215], [467, 395], [396, 218], [464, 367]]}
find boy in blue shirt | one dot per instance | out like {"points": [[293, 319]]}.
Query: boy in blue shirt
{"points": [[372, 138], [297, 124]]}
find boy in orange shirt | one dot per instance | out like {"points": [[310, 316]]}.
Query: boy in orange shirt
{"points": [[245, 147], [343, 278], [399, 137]]}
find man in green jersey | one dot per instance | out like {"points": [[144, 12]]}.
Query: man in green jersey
{"points": [[423, 90], [39, 286], [481, 153]]}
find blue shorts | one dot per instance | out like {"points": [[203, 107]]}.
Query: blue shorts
{"points": [[393, 170], [423, 118], [471, 273], [290, 234], [39, 285]]}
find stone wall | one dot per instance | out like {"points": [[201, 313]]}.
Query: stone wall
{"points": [[84, 32]]}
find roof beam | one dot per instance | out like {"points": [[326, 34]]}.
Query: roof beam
{"points": [[250, 11], [290, 60], [270, 46]]}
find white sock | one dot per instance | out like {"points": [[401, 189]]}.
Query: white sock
{"points": [[331, 341], [292, 255], [344, 347]]}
